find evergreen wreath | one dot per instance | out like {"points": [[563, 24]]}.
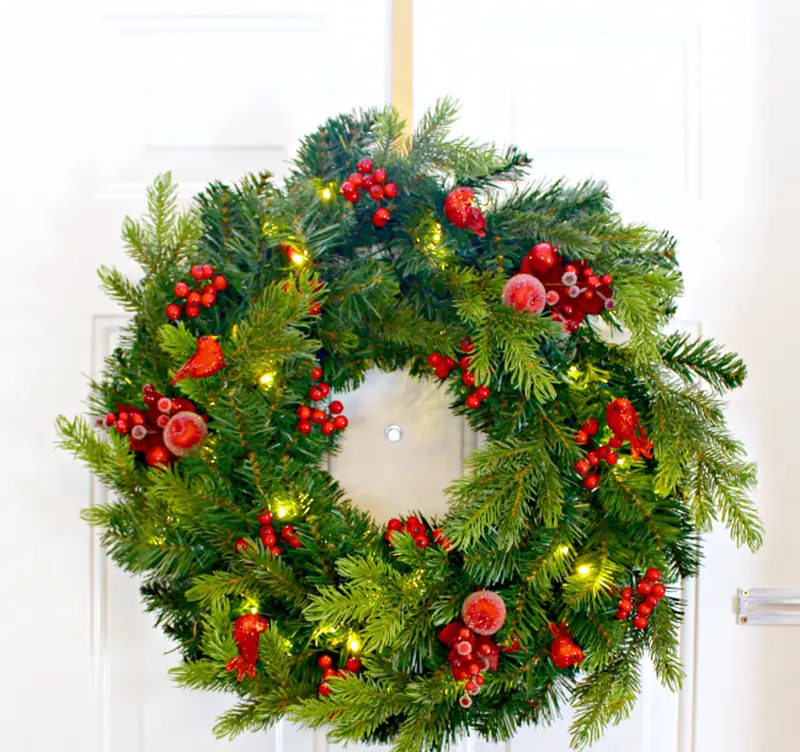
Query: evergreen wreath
{"points": [[555, 572]]}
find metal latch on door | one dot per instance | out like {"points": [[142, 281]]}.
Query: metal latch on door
{"points": [[768, 606]]}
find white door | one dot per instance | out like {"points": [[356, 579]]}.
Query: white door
{"points": [[688, 111]]}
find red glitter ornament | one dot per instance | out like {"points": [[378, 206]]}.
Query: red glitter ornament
{"points": [[484, 612], [525, 293], [206, 361], [184, 433], [458, 206], [623, 420], [247, 631]]}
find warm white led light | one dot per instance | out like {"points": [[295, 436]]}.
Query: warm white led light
{"points": [[394, 434]]}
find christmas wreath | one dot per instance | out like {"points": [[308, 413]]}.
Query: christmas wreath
{"points": [[555, 572]]}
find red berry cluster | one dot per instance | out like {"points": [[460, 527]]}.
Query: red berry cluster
{"points": [[418, 531], [144, 427], [595, 455], [470, 655], [269, 536], [443, 366], [372, 182], [205, 295], [330, 423], [325, 662], [650, 592], [574, 290]]}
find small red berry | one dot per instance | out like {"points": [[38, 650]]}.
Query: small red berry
{"points": [[582, 467], [122, 426], [328, 427], [652, 574], [640, 622], [391, 190], [318, 416], [652, 601], [474, 669], [479, 680], [265, 518], [376, 192], [473, 401], [111, 419], [612, 458], [483, 392], [438, 534], [336, 407], [463, 364], [593, 459], [287, 532], [421, 542], [364, 166], [328, 673], [324, 388], [208, 300], [181, 289], [442, 371], [351, 196], [314, 308], [137, 419], [581, 437], [381, 217], [241, 545], [367, 182], [607, 280], [380, 175], [316, 373], [268, 540], [466, 345], [348, 187], [353, 664], [625, 605], [194, 298], [590, 426], [448, 362], [644, 610], [173, 311], [591, 482], [615, 442], [468, 378], [197, 272], [208, 271], [626, 593], [659, 591], [394, 524], [644, 588], [470, 686], [325, 661], [315, 394], [434, 359], [304, 426], [623, 614], [275, 551], [294, 542], [220, 282], [324, 690], [340, 422], [303, 412]]}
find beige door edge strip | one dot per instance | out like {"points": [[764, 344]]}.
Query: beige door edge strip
{"points": [[402, 60]]}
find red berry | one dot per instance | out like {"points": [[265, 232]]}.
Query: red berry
{"points": [[315, 394], [194, 297], [593, 459], [434, 359], [421, 542], [325, 661], [304, 426], [653, 574], [324, 690], [287, 532], [192, 311], [644, 610], [582, 467], [351, 196], [615, 442], [111, 419], [625, 605], [316, 373], [652, 601], [644, 588], [208, 300], [626, 593], [442, 371], [473, 401], [468, 378], [448, 362], [173, 311], [483, 392], [591, 482], [590, 426], [324, 388], [474, 669], [581, 437], [314, 308], [607, 280], [275, 551], [164, 404], [348, 187], [612, 458], [394, 524], [122, 426], [294, 542], [303, 412], [353, 664], [336, 407], [463, 364], [340, 422], [123, 416], [364, 166], [241, 545], [466, 345], [157, 455], [267, 529], [623, 614], [470, 686], [197, 272], [328, 427], [265, 517], [220, 283], [318, 416], [137, 419], [268, 540], [181, 289], [479, 680], [381, 217], [328, 673], [367, 182], [659, 591], [376, 192], [390, 190], [380, 175], [640, 622], [208, 271]]}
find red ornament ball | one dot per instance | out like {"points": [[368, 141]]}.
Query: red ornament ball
{"points": [[184, 433], [542, 258], [525, 293], [381, 217], [484, 612]]}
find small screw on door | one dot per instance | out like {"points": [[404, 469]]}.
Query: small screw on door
{"points": [[743, 620], [745, 593]]}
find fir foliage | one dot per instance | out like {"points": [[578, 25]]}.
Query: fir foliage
{"points": [[520, 520]]}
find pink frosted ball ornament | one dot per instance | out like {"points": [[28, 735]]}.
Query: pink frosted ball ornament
{"points": [[484, 612], [184, 433], [525, 293]]}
